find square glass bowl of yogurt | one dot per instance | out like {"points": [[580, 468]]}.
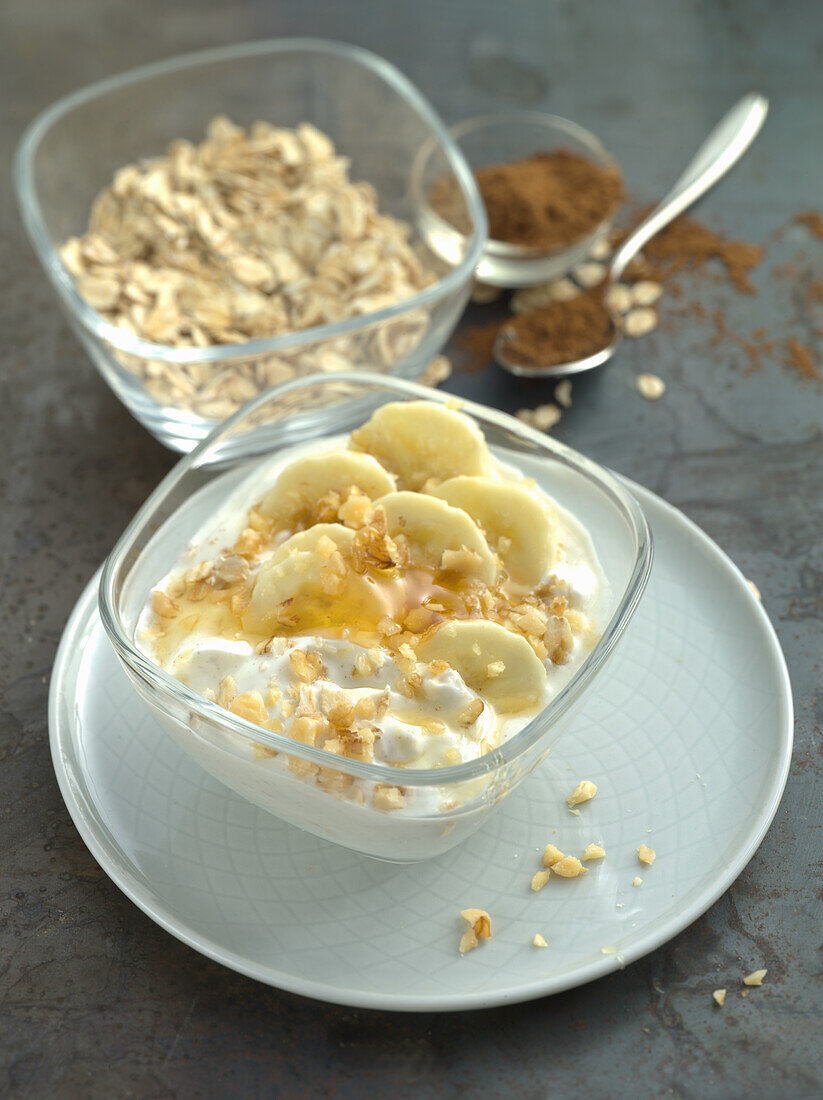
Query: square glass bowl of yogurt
{"points": [[378, 624]]}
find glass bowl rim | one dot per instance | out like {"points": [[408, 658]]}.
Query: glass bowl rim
{"points": [[543, 120], [160, 681], [34, 221]]}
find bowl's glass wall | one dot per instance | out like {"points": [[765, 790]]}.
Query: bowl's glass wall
{"points": [[311, 790], [373, 116]]}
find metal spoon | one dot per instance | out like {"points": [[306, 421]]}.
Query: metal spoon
{"points": [[724, 146]]}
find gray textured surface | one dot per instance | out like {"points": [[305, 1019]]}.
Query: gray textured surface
{"points": [[96, 1000]]}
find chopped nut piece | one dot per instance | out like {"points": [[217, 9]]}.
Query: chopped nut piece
{"points": [[470, 713], [609, 949], [388, 798], [468, 941], [583, 792], [480, 921], [539, 941], [539, 880], [569, 867], [638, 881], [650, 386], [250, 706], [552, 855], [307, 664], [646, 855], [594, 851], [719, 996], [755, 978]]}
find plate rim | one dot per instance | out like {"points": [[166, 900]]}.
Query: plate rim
{"points": [[116, 863]]}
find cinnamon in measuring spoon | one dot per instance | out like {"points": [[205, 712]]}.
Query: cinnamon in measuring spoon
{"points": [[560, 332]]}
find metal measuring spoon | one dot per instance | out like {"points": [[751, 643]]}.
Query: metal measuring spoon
{"points": [[722, 149]]}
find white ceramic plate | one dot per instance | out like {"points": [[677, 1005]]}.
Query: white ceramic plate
{"points": [[688, 736]]}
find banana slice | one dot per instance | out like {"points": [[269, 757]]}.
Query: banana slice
{"points": [[418, 440], [301, 484], [514, 521], [431, 527], [341, 536], [295, 590], [471, 646]]}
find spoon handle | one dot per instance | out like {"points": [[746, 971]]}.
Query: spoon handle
{"points": [[724, 146]]}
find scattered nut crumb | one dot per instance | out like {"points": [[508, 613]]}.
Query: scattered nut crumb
{"points": [[609, 949], [755, 591], [583, 792], [552, 855], [755, 978], [594, 851], [539, 880], [638, 881], [569, 867], [538, 940], [480, 929], [719, 996], [646, 855], [650, 386]]}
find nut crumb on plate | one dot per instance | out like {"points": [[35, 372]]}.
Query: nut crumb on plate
{"points": [[479, 929], [539, 941], [569, 867], [539, 880], [638, 881], [583, 792], [593, 851], [646, 855], [552, 855]]}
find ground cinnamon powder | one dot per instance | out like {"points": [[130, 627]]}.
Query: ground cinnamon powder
{"points": [[812, 221], [560, 332], [688, 244], [549, 200], [801, 359]]}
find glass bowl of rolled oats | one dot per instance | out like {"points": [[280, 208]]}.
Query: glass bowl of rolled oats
{"points": [[222, 222], [377, 624]]}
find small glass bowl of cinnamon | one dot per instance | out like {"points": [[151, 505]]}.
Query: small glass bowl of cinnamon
{"points": [[550, 188]]}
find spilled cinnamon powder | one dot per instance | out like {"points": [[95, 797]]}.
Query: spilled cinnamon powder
{"points": [[687, 244], [812, 221], [801, 359]]}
